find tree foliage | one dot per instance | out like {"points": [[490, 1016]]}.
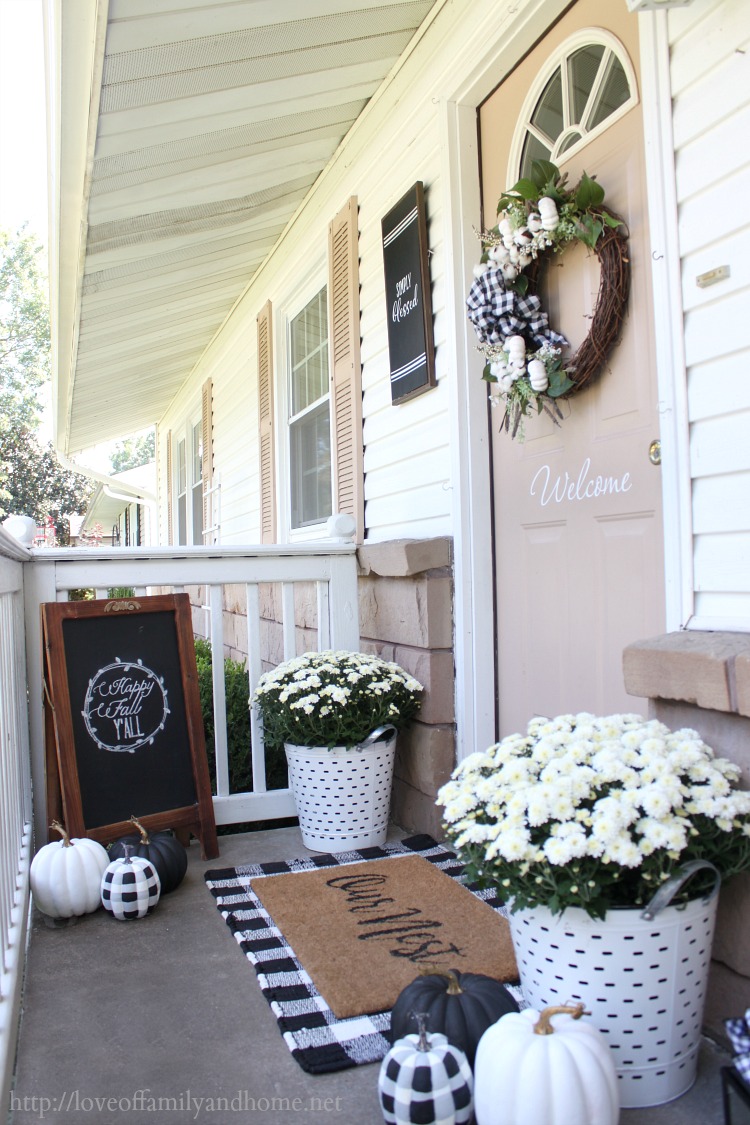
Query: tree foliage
{"points": [[133, 452], [32, 481], [24, 329]]}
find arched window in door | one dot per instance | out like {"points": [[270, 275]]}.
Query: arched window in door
{"points": [[587, 85]]}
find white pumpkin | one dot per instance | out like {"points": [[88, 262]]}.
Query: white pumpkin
{"points": [[548, 212], [506, 232], [551, 1067], [538, 375], [515, 346], [66, 875]]}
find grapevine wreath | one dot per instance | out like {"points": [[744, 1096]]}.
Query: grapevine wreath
{"points": [[539, 216]]}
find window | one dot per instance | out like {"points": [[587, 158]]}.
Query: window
{"points": [[181, 490], [310, 401], [189, 485], [310, 414], [587, 85], [196, 482]]}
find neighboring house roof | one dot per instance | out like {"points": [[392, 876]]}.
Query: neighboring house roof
{"points": [[109, 501], [185, 136]]}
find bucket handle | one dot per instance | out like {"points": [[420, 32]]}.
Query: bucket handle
{"points": [[376, 734], [669, 889]]}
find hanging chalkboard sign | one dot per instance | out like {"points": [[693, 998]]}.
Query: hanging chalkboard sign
{"points": [[407, 296], [121, 686]]}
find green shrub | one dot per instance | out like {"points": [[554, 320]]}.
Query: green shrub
{"points": [[238, 724], [88, 595]]}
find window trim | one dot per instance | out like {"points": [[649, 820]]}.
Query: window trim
{"points": [[583, 37], [305, 289]]}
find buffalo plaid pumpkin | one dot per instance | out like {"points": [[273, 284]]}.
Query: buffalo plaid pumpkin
{"points": [[425, 1079], [130, 887]]}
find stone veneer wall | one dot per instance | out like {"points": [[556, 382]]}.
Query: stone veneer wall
{"points": [[406, 615], [702, 680]]}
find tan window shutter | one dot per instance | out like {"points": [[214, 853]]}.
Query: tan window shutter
{"points": [[346, 372], [207, 461], [170, 486], [265, 428]]}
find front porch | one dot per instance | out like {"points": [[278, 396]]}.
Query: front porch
{"points": [[114, 1018], [171, 1008]]}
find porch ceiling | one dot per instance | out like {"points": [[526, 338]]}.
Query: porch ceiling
{"points": [[190, 131]]}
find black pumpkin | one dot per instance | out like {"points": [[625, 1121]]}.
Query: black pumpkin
{"points": [[460, 1005], [162, 849]]}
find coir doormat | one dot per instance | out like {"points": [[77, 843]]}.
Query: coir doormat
{"points": [[363, 933], [319, 1039]]}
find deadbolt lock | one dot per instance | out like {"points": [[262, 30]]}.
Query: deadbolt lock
{"points": [[654, 452]]}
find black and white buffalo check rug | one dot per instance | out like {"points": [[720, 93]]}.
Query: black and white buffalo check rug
{"points": [[319, 1041]]}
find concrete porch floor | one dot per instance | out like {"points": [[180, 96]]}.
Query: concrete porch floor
{"points": [[169, 1005]]}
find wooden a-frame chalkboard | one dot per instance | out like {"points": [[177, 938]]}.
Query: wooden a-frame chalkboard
{"points": [[124, 715]]}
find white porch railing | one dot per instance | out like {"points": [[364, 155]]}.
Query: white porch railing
{"points": [[15, 802], [330, 566], [29, 578]]}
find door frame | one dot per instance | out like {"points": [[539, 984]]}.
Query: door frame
{"points": [[474, 647]]}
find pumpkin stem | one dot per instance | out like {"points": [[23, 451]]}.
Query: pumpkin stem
{"points": [[543, 1025], [454, 988], [144, 834], [65, 837], [127, 848], [423, 1043]]}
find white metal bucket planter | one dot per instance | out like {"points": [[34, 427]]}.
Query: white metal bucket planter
{"points": [[343, 794], [642, 975]]}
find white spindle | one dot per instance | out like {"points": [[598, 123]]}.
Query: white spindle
{"points": [[289, 628], [215, 601], [254, 671]]}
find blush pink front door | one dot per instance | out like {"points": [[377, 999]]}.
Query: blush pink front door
{"points": [[577, 508]]}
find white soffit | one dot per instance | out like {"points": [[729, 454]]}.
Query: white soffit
{"points": [[215, 119]]}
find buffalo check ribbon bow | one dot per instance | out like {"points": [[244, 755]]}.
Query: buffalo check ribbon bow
{"points": [[498, 312], [738, 1031]]}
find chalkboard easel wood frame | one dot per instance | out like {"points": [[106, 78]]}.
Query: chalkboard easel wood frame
{"points": [[84, 781]]}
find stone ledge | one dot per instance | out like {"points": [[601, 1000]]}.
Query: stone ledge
{"points": [[710, 670], [403, 558], [742, 680]]}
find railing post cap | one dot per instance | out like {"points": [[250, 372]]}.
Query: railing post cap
{"points": [[22, 528], [341, 526]]}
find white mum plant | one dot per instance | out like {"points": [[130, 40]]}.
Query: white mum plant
{"points": [[595, 812], [334, 698]]}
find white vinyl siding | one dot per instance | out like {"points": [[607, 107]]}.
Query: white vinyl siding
{"points": [[711, 91], [407, 462]]}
